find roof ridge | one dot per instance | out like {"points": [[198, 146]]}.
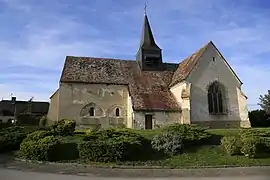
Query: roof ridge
{"points": [[105, 58], [182, 71]]}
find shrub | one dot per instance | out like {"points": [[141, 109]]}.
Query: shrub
{"points": [[190, 134], [113, 145], [63, 127], [253, 132], [231, 144], [39, 134], [5, 125], [169, 144], [66, 151], [43, 149], [251, 146], [11, 138]]}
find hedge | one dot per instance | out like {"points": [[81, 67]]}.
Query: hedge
{"points": [[63, 127], [114, 145], [43, 149], [190, 134], [11, 138]]}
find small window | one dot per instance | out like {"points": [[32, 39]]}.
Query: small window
{"points": [[214, 58], [92, 111], [117, 112]]}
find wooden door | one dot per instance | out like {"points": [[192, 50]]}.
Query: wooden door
{"points": [[148, 122]]}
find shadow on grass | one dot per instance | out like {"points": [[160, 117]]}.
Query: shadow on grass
{"points": [[215, 139], [66, 151]]}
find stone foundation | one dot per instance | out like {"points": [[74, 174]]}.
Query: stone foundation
{"points": [[222, 124]]}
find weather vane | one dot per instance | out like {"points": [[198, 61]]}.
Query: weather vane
{"points": [[145, 6]]}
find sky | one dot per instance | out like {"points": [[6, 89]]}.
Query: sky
{"points": [[35, 37]]}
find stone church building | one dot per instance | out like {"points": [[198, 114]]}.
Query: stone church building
{"points": [[148, 93]]}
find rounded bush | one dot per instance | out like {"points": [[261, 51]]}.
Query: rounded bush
{"points": [[113, 145], [39, 134], [190, 134], [251, 146], [231, 144], [168, 143], [11, 138], [43, 149], [63, 127]]}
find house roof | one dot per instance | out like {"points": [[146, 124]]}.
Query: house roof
{"points": [[21, 106], [148, 89]]}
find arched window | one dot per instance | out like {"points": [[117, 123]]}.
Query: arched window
{"points": [[216, 104], [92, 111], [117, 112]]}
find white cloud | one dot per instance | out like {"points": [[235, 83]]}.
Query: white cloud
{"points": [[180, 27]]}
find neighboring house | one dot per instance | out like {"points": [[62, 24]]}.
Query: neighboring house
{"points": [[9, 107], [147, 93]]}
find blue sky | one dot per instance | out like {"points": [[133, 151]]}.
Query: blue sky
{"points": [[35, 37]]}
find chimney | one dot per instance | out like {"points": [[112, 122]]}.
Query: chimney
{"points": [[13, 100]]}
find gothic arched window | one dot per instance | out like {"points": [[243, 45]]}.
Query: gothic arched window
{"points": [[216, 99], [92, 111], [117, 112]]}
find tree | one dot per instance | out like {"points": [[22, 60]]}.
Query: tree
{"points": [[265, 102], [258, 118]]}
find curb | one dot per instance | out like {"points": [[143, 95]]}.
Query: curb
{"points": [[139, 166]]}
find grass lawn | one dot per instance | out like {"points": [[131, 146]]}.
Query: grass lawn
{"points": [[212, 155], [29, 129], [207, 155]]}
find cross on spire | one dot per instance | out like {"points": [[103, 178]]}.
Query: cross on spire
{"points": [[145, 6]]}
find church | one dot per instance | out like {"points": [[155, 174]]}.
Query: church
{"points": [[148, 93]]}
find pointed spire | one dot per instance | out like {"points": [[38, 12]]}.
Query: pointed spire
{"points": [[145, 6], [147, 39]]}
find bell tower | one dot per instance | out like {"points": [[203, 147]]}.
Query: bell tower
{"points": [[149, 55]]}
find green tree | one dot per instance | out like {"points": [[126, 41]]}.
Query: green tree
{"points": [[265, 102]]}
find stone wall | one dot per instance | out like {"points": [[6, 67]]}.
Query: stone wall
{"points": [[54, 107], [159, 119], [212, 67], [75, 101]]}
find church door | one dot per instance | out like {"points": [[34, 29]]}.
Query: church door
{"points": [[148, 122]]}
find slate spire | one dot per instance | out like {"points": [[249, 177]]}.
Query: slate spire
{"points": [[147, 39], [149, 55]]}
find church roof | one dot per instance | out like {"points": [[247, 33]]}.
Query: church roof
{"points": [[149, 90], [187, 65]]}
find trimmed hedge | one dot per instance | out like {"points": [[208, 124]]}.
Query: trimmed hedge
{"points": [[11, 138], [190, 134], [251, 146], [63, 127], [43, 149], [249, 142], [37, 135], [169, 144], [231, 144], [113, 145]]}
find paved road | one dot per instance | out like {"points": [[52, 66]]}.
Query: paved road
{"points": [[9, 174]]}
